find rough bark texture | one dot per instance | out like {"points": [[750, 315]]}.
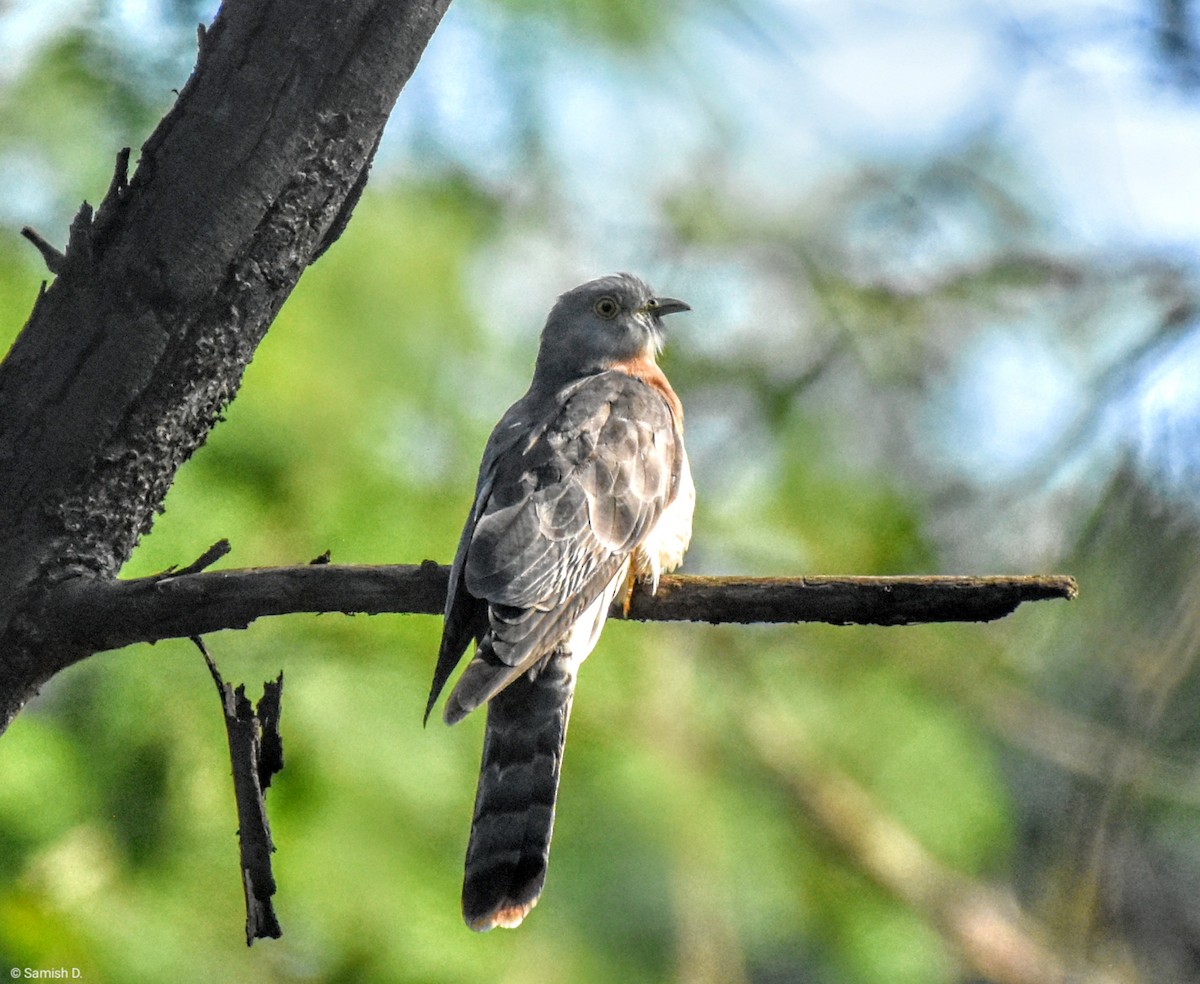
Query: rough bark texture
{"points": [[166, 290]]}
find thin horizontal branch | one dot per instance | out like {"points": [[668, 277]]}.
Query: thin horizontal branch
{"points": [[98, 614], [846, 600]]}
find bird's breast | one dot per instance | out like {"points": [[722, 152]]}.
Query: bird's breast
{"points": [[646, 370]]}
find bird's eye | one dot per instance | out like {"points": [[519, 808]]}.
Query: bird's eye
{"points": [[607, 307]]}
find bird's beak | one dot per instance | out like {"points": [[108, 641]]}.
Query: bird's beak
{"points": [[658, 306]]}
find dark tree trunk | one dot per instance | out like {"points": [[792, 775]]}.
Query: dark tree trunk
{"points": [[167, 288]]}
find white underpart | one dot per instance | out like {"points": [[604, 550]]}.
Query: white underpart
{"points": [[585, 633], [665, 545]]}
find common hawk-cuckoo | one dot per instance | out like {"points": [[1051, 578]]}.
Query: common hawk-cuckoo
{"points": [[583, 487]]}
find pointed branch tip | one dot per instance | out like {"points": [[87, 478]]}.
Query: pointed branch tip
{"points": [[120, 178], [205, 560], [51, 255]]}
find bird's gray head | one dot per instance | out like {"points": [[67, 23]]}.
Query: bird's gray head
{"points": [[596, 325]]}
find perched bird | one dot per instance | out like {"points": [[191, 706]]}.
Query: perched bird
{"points": [[584, 486]]}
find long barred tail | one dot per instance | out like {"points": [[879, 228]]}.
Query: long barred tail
{"points": [[514, 804]]}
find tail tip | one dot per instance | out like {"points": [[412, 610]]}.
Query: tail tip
{"points": [[506, 917]]}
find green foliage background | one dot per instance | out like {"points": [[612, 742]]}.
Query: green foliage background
{"points": [[688, 847]]}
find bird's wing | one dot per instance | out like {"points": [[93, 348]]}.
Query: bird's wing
{"points": [[561, 512], [466, 616]]}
